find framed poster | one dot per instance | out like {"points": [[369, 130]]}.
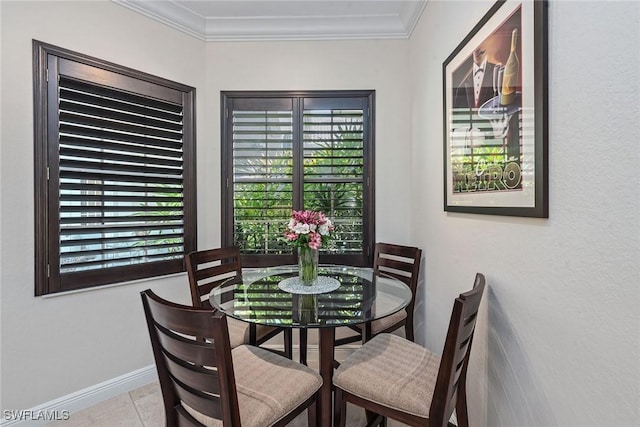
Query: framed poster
{"points": [[495, 114]]}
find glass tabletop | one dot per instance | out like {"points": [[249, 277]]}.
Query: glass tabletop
{"points": [[361, 297]]}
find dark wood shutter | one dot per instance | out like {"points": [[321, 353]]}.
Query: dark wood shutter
{"points": [[120, 189], [262, 174], [301, 150], [334, 167]]}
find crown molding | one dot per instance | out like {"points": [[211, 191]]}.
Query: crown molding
{"points": [[396, 25], [169, 13]]}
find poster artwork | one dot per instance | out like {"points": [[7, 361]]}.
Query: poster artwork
{"points": [[486, 116]]}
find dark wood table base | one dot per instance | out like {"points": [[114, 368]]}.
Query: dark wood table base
{"points": [[325, 410]]}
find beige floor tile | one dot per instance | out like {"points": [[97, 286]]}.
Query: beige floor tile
{"points": [[144, 391], [151, 409], [116, 412]]}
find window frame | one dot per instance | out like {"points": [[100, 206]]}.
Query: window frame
{"points": [[368, 217], [47, 161]]}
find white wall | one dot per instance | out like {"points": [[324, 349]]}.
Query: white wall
{"points": [[55, 346], [559, 339]]}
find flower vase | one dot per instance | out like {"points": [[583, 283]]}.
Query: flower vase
{"points": [[308, 265]]}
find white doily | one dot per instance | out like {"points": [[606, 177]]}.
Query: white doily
{"points": [[324, 284]]}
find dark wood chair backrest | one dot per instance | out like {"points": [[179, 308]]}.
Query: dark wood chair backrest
{"points": [[210, 268], [450, 386], [401, 262], [197, 372]]}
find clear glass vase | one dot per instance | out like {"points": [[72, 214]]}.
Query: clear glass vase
{"points": [[307, 309], [308, 265]]}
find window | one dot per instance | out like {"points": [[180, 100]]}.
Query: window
{"points": [[115, 172], [297, 150]]}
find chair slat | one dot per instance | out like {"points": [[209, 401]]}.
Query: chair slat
{"points": [[184, 419], [192, 350], [216, 270], [195, 376], [206, 404], [205, 288], [460, 355], [395, 264], [174, 319], [404, 279], [397, 250], [212, 255]]}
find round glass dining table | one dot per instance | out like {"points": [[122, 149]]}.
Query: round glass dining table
{"points": [[345, 296]]}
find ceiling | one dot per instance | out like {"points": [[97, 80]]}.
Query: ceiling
{"points": [[236, 20]]}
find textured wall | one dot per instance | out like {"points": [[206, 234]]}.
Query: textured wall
{"points": [[559, 338]]}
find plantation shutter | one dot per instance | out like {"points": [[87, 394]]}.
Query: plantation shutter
{"points": [[117, 166], [333, 166], [262, 173], [305, 150]]}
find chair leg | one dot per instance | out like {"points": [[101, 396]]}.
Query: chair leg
{"points": [[303, 346], [373, 419], [288, 343], [366, 332], [339, 409], [311, 415], [253, 335], [461, 409], [408, 330]]}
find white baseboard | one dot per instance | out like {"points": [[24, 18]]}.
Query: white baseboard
{"points": [[82, 399], [93, 395]]}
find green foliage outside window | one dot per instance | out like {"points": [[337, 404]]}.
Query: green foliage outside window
{"points": [[332, 170]]}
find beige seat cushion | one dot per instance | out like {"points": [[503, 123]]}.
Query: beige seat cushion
{"points": [[393, 372], [380, 325], [239, 332], [269, 387]]}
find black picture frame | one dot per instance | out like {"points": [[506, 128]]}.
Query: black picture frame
{"points": [[496, 112]]}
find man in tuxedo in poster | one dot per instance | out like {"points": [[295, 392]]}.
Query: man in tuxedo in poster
{"points": [[473, 85], [476, 85]]}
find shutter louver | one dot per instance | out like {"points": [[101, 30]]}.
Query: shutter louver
{"points": [[120, 178]]}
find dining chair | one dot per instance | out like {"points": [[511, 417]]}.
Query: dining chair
{"points": [[396, 378], [206, 383], [208, 269], [401, 262]]}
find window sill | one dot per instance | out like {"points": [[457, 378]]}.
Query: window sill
{"points": [[112, 285]]}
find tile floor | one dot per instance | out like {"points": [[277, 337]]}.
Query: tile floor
{"points": [[143, 407]]}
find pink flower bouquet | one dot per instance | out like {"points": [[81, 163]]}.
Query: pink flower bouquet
{"points": [[308, 228]]}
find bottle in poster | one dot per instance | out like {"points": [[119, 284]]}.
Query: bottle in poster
{"points": [[510, 77]]}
